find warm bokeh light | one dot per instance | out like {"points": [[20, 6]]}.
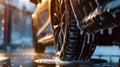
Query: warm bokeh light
{"points": [[2, 28], [3, 20], [3, 58], [43, 0]]}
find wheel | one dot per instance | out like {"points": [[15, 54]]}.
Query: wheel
{"points": [[69, 43]]}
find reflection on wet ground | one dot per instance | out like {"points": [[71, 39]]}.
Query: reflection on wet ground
{"points": [[26, 58], [18, 58], [21, 57]]}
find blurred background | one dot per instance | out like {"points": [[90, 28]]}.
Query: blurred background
{"points": [[20, 12]]}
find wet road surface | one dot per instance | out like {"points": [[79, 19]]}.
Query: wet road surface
{"points": [[21, 57], [25, 57]]}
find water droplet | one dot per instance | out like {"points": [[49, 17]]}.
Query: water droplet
{"points": [[81, 32], [113, 42], [11, 60], [2, 28], [101, 31], [21, 65], [4, 62], [88, 38], [23, 46], [110, 30], [100, 23], [14, 58], [12, 65], [3, 21]]}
